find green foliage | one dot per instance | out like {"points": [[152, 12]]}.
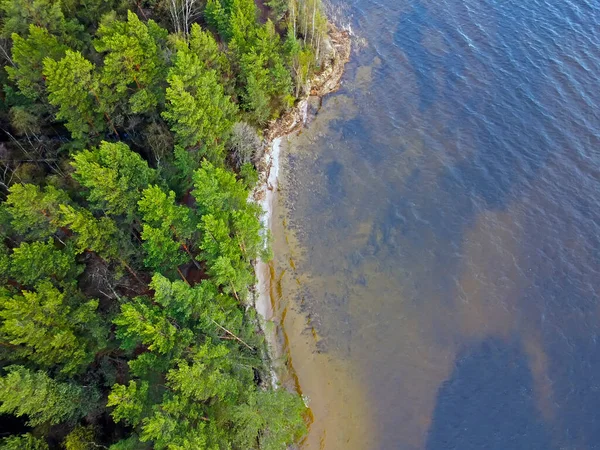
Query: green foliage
{"points": [[177, 424], [4, 264], [34, 212], [81, 438], [140, 322], [133, 57], [28, 56], [217, 190], [131, 443], [230, 228], [269, 420], [24, 442], [91, 234], [18, 15], [44, 400], [198, 111], [176, 359], [205, 47], [50, 326], [130, 402], [73, 89], [38, 260], [166, 229], [114, 176], [207, 376]]}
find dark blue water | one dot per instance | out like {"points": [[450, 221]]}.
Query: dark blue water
{"points": [[452, 223]]}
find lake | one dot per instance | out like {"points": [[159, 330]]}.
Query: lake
{"points": [[438, 231]]}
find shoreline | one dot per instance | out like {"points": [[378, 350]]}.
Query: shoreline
{"points": [[265, 193]]}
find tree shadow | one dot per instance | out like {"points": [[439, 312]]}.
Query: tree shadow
{"points": [[488, 403]]}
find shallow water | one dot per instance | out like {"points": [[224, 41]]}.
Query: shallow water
{"points": [[442, 214]]}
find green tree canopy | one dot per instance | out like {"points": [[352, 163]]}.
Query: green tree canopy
{"points": [[51, 327], [133, 58], [28, 56], [37, 260], [269, 420], [24, 392], [167, 229], [18, 15], [73, 88], [198, 111], [142, 323], [114, 176], [34, 212], [24, 442]]}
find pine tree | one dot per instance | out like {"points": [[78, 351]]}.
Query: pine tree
{"points": [[217, 189], [199, 307], [28, 56], [51, 327], [24, 442], [133, 57], [203, 44], [42, 399], [140, 322], [130, 402], [38, 260], [270, 420], [100, 236], [18, 15], [197, 110], [114, 176], [208, 376], [73, 88], [167, 228], [34, 212]]}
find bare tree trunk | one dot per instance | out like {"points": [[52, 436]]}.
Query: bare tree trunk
{"points": [[293, 3], [312, 35], [174, 11], [305, 9]]}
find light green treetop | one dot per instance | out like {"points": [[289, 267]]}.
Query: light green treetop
{"points": [[24, 442], [140, 322], [115, 177], [167, 227], [73, 88], [50, 327], [197, 109], [42, 399], [133, 57], [28, 56], [37, 260], [270, 420], [19, 14], [34, 211]]}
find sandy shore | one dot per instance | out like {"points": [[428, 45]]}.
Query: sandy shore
{"points": [[325, 82]]}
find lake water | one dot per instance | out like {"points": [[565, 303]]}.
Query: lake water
{"points": [[438, 251]]}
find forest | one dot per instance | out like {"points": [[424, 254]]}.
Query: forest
{"points": [[130, 133]]}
